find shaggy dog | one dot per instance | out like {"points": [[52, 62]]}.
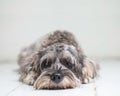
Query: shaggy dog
{"points": [[56, 61]]}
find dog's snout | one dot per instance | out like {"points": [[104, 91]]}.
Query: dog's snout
{"points": [[57, 77]]}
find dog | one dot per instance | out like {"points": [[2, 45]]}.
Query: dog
{"points": [[56, 61]]}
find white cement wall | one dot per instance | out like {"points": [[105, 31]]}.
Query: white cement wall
{"points": [[96, 24]]}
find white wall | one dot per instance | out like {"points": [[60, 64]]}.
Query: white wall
{"points": [[96, 23]]}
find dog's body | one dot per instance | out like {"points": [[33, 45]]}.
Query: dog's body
{"points": [[56, 61]]}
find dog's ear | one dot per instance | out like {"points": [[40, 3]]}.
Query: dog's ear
{"points": [[32, 62], [81, 58], [78, 55], [36, 60], [36, 63]]}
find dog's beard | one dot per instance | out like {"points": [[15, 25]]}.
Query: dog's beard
{"points": [[44, 81]]}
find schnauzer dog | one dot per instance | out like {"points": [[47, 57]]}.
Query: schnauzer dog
{"points": [[56, 61]]}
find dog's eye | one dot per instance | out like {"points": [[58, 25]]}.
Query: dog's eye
{"points": [[46, 64], [67, 63]]}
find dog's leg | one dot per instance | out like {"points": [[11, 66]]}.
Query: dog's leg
{"points": [[29, 78], [28, 67], [89, 71]]}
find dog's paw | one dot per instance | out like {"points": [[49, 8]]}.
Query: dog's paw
{"points": [[87, 76], [89, 71], [30, 78]]}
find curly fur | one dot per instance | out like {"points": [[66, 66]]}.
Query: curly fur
{"points": [[58, 47]]}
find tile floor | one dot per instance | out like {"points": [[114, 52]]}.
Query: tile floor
{"points": [[108, 83]]}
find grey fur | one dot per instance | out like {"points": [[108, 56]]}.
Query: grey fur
{"points": [[57, 48]]}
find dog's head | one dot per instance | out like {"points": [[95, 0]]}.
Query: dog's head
{"points": [[59, 67]]}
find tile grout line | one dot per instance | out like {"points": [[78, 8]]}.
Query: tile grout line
{"points": [[13, 90], [95, 88]]}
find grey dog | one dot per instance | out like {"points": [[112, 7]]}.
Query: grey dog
{"points": [[56, 61]]}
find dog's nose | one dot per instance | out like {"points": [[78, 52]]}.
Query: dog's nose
{"points": [[57, 77]]}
